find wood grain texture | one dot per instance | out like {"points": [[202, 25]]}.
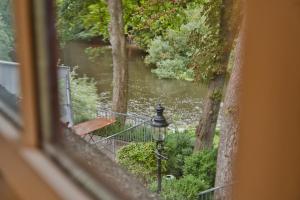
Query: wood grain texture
{"points": [[25, 55], [269, 152], [92, 125]]}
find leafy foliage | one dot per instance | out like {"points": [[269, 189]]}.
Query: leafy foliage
{"points": [[143, 20], [140, 159], [194, 47], [6, 31], [194, 172], [206, 61], [186, 188], [171, 55], [96, 20], [149, 19], [202, 165], [178, 146], [182, 37], [85, 98], [78, 19], [199, 175]]}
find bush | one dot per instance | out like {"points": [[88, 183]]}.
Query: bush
{"points": [[84, 97], [199, 175], [140, 160], [172, 53], [196, 43], [178, 146], [174, 69], [202, 165], [186, 188]]}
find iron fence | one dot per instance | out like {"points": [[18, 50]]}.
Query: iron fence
{"points": [[134, 128], [216, 193]]}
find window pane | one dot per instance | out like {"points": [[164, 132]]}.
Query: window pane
{"points": [[9, 68]]}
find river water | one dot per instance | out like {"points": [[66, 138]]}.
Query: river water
{"points": [[182, 99]]}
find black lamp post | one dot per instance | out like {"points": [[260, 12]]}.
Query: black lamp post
{"points": [[159, 124]]}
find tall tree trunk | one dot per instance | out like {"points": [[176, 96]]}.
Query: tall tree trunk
{"points": [[207, 124], [228, 28], [119, 55], [229, 126]]}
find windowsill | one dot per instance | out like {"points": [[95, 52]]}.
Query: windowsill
{"points": [[94, 171], [32, 175]]}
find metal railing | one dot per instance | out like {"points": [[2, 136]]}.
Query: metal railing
{"points": [[216, 193], [135, 128]]}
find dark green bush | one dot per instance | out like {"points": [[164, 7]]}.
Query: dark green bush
{"points": [[186, 188], [199, 175], [178, 146], [202, 165]]}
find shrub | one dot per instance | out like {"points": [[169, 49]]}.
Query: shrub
{"points": [[159, 49], [197, 42], [178, 146], [84, 97], [140, 160], [172, 53], [186, 188], [174, 69], [202, 165]]}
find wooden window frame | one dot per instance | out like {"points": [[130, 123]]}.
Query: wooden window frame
{"points": [[267, 165], [23, 163]]}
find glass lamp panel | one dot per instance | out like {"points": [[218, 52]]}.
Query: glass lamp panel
{"points": [[159, 133]]}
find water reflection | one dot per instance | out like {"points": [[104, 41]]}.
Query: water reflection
{"points": [[182, 99]]}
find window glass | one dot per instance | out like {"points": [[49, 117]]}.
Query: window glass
{"points": [[96, 131], [123, 62], [10, 97]]}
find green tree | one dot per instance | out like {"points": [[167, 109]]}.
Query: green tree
{"points": [[78, 19], [143, 20], [119, 56], [149, 19], [216, 45], [172, 54]]}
